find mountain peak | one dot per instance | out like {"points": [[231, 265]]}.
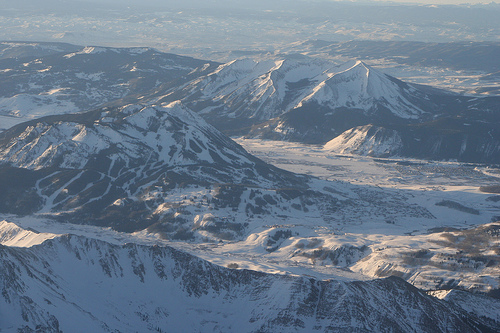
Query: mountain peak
{"points": [[139, 131], [359, 86]]}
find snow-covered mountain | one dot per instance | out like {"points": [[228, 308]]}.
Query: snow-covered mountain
{"points": [[253, 92], [292, 98], [319, 121], [362, 87], [314, 101], [129, 136], [117, 166], [163, 171], [259, 90], [78, 284], [165, 176]]}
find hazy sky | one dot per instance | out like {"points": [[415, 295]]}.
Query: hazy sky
{"points": [[455, 2], [437, 2]]}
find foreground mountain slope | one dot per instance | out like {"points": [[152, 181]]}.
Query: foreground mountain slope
{"points": [[478, 304], [72, 283]]}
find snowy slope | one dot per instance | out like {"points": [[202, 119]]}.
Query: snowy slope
{"points": [[367, 141], [267, 89], [362, 87], [167, 170], [135, 166], [128, 135], [12, 235], [78, 284], [245, 91], [467, 140]]}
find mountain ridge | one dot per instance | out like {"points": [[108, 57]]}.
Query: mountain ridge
{"points": [[42, 287]]}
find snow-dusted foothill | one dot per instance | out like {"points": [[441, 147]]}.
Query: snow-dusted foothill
{"points": [[366, 141], [473, 140]]}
